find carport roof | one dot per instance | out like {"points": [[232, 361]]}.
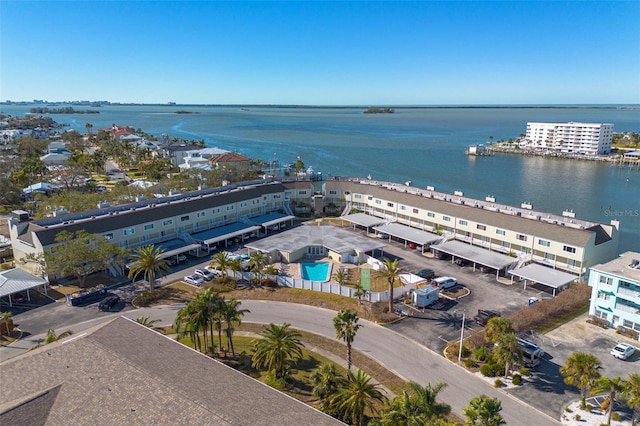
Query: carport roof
{"points": [[363, 219], [224, 232], [544, 275], [17, 280], [331, 237], [475, 254], [271, 219], [408, 233]]}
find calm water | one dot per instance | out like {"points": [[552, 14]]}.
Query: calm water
{"points": [[423, 145]]}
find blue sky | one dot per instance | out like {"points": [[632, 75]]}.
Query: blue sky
{"points": [[322, 53]]}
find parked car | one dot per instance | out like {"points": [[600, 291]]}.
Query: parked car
{"points": [[204, 274], [484, 316], [412, 245], [427, 274], [194, 280], [445, 282], [215, 270], [623, 351], [382, 236], [108, 302]]}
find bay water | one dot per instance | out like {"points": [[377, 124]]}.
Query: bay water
{"points": [[422, 145]]}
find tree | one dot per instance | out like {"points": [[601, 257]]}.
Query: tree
{"points": [[358, 396], [276, 348], [8, 322], [299, 165], [391, 273], [220, 261], [326, 382], [257, 261], [360, 292], [346, 325], [341, 276], [507, 351], [232, 314], [631, 391], [53, 337], [81, 254], [581, 370], [496, 327], [485, 411], [417, 406], [612, 387], [147, 322], [147, 261]]}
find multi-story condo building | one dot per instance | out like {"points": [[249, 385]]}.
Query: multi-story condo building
{"points": [[190, 222], [615, 295], [571, 138]]}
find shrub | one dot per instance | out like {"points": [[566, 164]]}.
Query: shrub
{"points": [[470, 363], [275, 383], [517, 379], [498, 369], [577, 417], [524, 372], [269, 283], [568, 410], [454, 348], [487, 370], [480, 353], [498, 383], [616, 417]]}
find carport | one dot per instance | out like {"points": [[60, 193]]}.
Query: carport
{"points": [[270, 219], [408, 234], [548, 277], [224, 233], [363, 219], [16, 281], [476, 255]]}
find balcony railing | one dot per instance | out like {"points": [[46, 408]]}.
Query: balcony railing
{"points": [[628, 292]]}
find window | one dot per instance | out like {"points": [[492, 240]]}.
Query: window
{"points": [[201, 214], [332, 192], [626, 284], [462, 222], [601, 315], [184, 218], [431, 214], [214, 211], [148, 227], [416, 211], [544, 243], [521, 237], [500, 232], [604, 295], [481, 227], [446, 218], [403, 207], [109, 236], [378, 201], [370, 198], [129, 231], [302, 192], [357, 196], [389, 204], [569, 249], [229, 208], [606, 280], [167, 222]]}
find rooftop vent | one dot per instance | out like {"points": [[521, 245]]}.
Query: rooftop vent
{"points": [[635, 264]]}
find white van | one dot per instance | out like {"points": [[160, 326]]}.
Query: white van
{"points": [[445, 282]]}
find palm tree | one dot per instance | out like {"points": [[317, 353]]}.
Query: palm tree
{"points": [[358, 396], [341, 276], [147, 321], [496, 327], [232, 313], [8, 322], [391, 273], [278, 345], [580, 370], [147, 261], [221, 261], [612, 387], [507, 351], [485, 411], [53, 337], [257, 261], [346, 325], [418, 406], [326, 381], [360, 291], [631, 391]]}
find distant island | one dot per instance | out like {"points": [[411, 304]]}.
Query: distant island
{"points": [[186, 112], [376, 110], [65, 110]]}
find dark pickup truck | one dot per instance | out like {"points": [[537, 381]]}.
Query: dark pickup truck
{"points": [[484, 316]]}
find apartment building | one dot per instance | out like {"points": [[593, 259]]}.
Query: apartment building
{"points": [[571, 138], [561, 242], [615, 295]]}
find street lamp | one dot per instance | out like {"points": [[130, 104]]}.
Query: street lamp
{"points": [[461, 336]]}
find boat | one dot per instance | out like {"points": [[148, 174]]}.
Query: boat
{"points": [[477, 150]]}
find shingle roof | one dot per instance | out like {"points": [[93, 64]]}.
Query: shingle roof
{"points": [[125, 373]]}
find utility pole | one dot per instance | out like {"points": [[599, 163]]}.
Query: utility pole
{"points": [[461, 336]]}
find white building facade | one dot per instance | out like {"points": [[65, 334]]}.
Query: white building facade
{"points": [[615, 295], [571, 138]]}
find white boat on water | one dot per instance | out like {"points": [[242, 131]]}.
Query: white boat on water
{"points": [[478, 150]]}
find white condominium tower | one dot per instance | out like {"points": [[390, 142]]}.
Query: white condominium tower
{"points": [[573, 138]]}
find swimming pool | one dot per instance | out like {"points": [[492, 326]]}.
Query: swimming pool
{"points": [[315, 271]]}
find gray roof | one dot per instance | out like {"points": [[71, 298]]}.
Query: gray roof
{"points": [[224, 232], [363, 219], [17, 280], [408, 233], [331, 237], [124, 373], [626, 265], [544, 275], [475, 254], [521, 224], [271, 219]]}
